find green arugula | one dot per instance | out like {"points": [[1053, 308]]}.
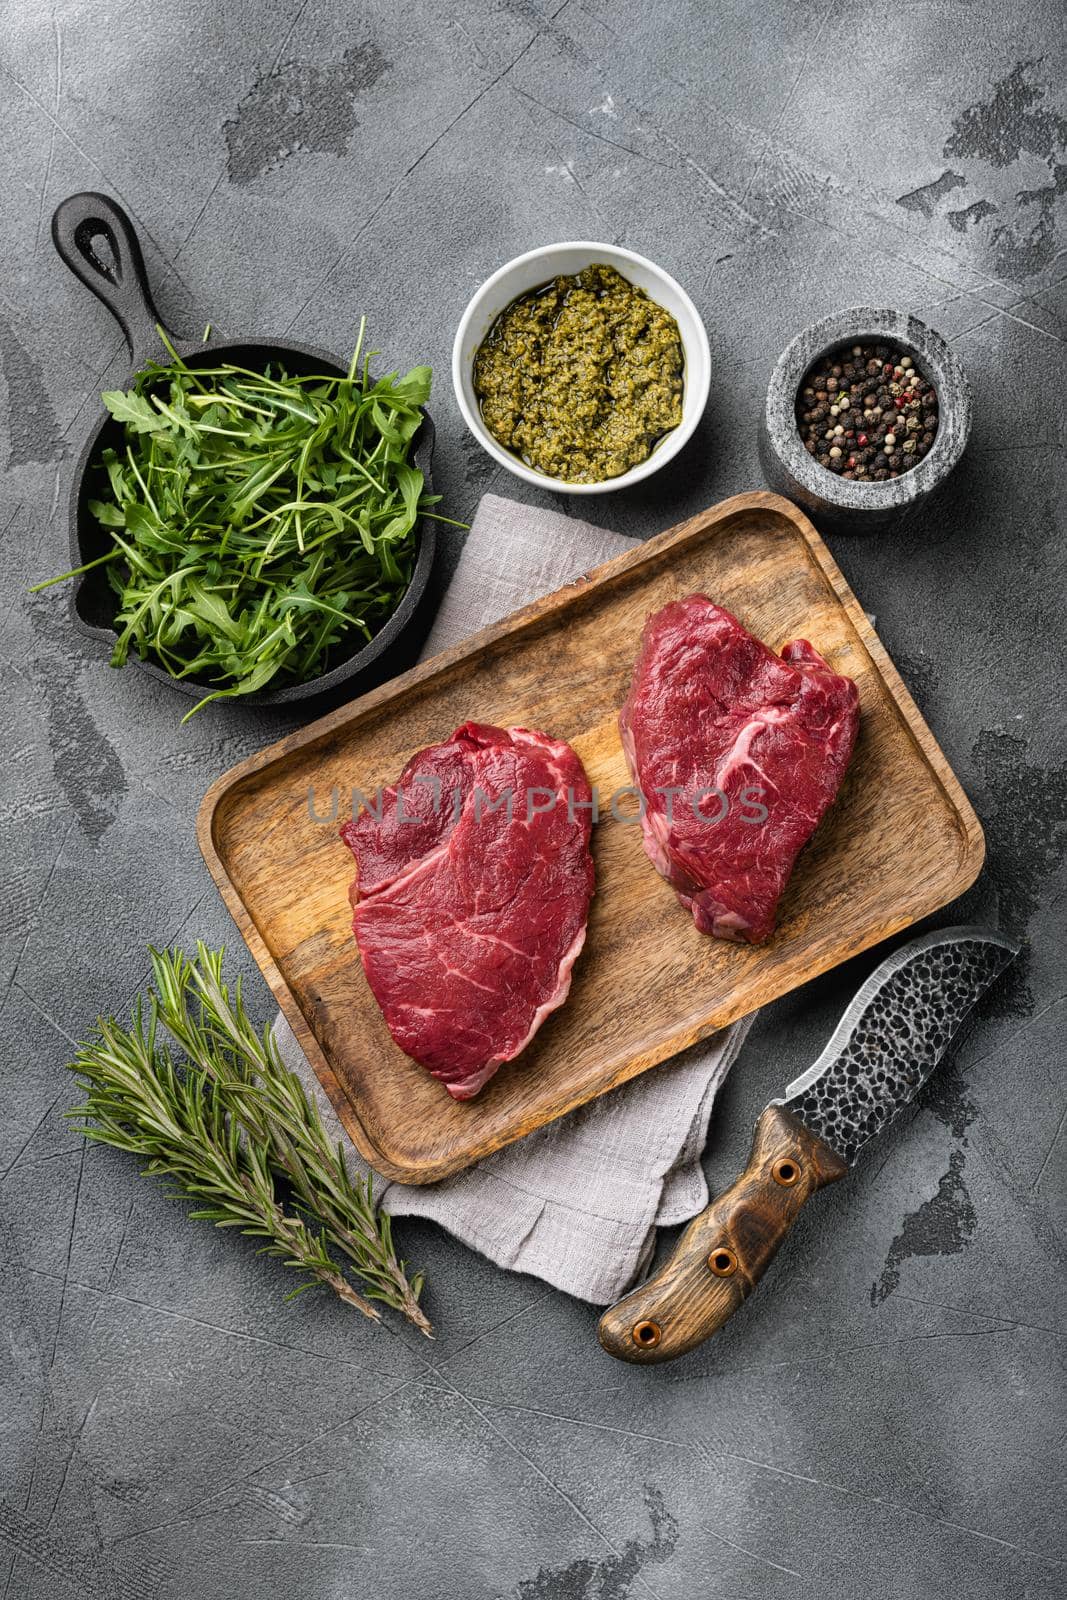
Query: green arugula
{"points": [[259, 519]]}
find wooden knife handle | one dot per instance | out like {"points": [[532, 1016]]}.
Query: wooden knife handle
{"points": [[724, 1252]]}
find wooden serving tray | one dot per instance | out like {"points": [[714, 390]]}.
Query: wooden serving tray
{"points": [[900, 841]]}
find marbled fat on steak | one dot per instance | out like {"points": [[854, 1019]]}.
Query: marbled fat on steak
{"points": [[470, 917], [718, 730]]}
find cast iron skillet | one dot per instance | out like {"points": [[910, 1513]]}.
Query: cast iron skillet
{"points": [[96, 239]]}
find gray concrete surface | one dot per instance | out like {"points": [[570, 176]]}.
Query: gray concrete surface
{"points": [[883, 1419]]}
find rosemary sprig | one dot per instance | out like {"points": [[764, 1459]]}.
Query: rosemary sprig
{"points": [[233, 1127]]}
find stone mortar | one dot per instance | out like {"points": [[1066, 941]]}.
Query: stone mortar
{"points": [[791, 471]]}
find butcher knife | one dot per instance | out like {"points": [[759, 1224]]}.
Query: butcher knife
{"points": [[895, 1032]]}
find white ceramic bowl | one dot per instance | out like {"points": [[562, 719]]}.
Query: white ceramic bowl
{"points": [[529, 272]]}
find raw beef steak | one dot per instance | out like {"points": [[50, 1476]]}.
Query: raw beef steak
{"points": [[738, 753], [471, 896]]}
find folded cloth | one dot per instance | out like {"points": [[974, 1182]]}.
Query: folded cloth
{"points": [[576, 1203]]}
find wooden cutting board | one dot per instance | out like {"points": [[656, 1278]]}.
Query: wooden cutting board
{"points": [[900, 841]]}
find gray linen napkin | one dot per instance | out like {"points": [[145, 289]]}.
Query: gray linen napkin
{"points": [[577, 1203]]}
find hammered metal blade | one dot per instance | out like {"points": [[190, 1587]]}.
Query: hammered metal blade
{"points": [[894, 1033]]}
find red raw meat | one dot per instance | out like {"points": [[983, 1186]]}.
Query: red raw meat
{"points": [[713, 709], [469, 920]]}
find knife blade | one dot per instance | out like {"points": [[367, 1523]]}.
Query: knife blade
{"points": [[892, 1036]]}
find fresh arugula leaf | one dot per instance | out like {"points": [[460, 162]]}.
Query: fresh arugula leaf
{"points": [[415, 388], [211, 608], [108, 515], [135, 411]]}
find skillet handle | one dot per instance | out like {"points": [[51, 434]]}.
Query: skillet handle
{"points": [[96, 240]]}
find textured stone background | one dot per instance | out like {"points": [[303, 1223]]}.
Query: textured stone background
{"points": [[883, 1419]]}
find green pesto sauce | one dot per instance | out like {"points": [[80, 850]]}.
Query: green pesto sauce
{"points": [[581, 377]]}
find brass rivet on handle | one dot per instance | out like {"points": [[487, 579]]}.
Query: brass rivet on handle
{"points": [[646, 1333], [786, 1171], [722, 1262]]}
